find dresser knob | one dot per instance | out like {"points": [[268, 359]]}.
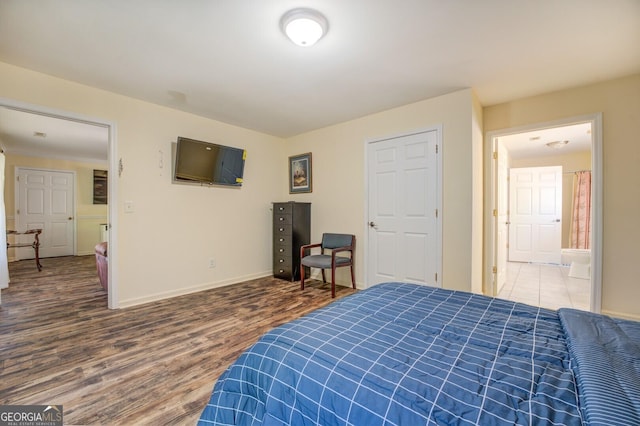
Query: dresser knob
{"points": [[281, 229], [281, 239], [281, 270], [281, 260], [281, 250], [281, 219]]}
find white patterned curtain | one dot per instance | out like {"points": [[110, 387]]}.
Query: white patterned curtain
{"points": [[4, 265], [581, 218]]}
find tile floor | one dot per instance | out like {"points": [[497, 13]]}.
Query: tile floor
{"points": [[547, 286]]}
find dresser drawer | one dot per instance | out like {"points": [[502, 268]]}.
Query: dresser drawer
{"points": [[282, 272], [280, 261], [282, 240], [281, 229], [281, 219], [280, 250], [284, 208]]}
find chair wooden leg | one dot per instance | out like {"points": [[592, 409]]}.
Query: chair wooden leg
{"points": [[333, 283], [324, 279], [353, 278], [301, 277]]}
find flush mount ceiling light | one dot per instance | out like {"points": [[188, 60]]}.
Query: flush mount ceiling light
{"points": [[304, 26], [557, 144]]}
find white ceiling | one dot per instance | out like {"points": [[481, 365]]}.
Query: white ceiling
{"points": [[26, 133], [534, 143], [228, 59]]}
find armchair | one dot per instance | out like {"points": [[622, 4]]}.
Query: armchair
{"points": [[332, 244]]}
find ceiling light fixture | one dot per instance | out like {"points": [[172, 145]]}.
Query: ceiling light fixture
{"points": [[303, 26], [557, 144]]}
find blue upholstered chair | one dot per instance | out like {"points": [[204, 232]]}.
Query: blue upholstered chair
{"points": [[331, 245]]}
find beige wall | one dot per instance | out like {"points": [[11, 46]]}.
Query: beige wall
{"points": [[619, 102], [570, 163], [338, 197], [164, 246], [88, 215]]}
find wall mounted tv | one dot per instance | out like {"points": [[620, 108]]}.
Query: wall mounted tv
{"points": [[208, 163]]}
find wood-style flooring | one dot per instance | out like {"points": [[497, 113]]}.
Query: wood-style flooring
{"points": [[150, 364]]}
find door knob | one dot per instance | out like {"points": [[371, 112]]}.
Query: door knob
{"points": [[70, 218], [372, 225], [557, 220]]}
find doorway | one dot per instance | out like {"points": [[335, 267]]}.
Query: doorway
{"points": [[403, 236], [22, 114], [533, 138]]}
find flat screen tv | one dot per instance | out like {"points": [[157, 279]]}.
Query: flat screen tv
{"points": [[208, 163]]}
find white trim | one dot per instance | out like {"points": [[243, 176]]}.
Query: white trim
{"points": [[184, 291], [596, 204], [439, 161], [112, 184]]}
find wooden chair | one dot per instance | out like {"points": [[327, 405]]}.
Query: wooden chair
{"points": [[332, 244]]}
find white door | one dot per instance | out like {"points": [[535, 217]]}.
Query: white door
{"points": [[403, 198], [501, 216], [45, 200], [535, 213]]}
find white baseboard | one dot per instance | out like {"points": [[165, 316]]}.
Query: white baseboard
{"points": [[184, 291]]}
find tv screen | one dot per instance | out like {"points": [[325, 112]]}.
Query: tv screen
{"points": [[204, 162]]}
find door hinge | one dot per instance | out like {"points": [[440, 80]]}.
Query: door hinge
{"points": [[436, 213], [495, 212], [18, 211], [18, 178], [495, 155], [495, 270], [436, 277], [436, 149]]}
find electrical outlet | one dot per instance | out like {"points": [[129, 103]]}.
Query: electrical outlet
{"points": [[212, 263]]}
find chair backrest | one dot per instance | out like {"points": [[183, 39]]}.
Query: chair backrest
{"points": [[331, 241]]}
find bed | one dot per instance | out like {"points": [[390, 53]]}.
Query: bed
{"points": [[404, 354]]}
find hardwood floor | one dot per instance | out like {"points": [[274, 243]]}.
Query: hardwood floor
{"points": [[150, 364]]}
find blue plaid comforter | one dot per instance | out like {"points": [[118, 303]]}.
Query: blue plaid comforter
{"points": [[403, 354]]}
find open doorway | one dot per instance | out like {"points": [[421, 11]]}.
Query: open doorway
{"points": [[59, 141], [534, 147]]}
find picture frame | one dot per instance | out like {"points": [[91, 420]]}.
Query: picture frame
{"points": [[300, 174], [100, 180]]}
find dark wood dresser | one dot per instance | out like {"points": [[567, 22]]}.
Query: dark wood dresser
{"points": [[291, 229]]}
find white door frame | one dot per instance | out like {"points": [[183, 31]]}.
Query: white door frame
{"points": [[596, 202], [18, 218], [112, 187], [367, 144]]}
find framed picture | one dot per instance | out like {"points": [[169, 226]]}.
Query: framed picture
{"points": [[100, 186], [300, 173]]}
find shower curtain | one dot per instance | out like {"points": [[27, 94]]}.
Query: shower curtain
{"points": [[4, 266], [581, 217]]}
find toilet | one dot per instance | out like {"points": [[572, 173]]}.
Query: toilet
{"points": [[579, 261]]}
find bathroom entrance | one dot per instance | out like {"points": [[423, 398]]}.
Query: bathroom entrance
{"points": [[518, 272]]}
